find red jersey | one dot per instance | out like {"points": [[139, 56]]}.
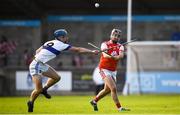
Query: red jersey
{"points": [[109, 63]]}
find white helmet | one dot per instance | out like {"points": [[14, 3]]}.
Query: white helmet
{"points": [[115, 33]]}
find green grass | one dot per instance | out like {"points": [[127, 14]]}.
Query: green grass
{"points": [[145, 104]]}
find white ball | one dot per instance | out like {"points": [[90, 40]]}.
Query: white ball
{"points": [[96, 5]]}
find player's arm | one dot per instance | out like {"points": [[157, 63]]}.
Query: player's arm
{"points": [[106, 55], [38, 50], [104, 48], [121, 53], [82, 50]]}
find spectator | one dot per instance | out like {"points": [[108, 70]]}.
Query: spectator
{"points": [[77, 61], [6, 48]]}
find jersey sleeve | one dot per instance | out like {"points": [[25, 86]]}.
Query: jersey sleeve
{"points": [[62, 46], [121, 49], [66, 47], [103, 46]]}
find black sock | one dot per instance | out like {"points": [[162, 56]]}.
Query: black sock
{"points": [[31, 102], [45, 87]]}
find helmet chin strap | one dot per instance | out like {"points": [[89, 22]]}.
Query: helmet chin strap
{"points": [[114, 42]]}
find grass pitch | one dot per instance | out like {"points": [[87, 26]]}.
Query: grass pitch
{"points": [[144, 104]]}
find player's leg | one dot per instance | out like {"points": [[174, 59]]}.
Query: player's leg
{"points": [[102, 93], [110, 81], [53, 78], [99, 96], [106, 89], [35, 93], [99, 88], [111, 84]]}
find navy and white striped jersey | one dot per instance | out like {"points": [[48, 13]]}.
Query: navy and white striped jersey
{"points": [[50, 50]]}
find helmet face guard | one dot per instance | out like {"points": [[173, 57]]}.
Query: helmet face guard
{"points": [[115, 33], [59, 33]]}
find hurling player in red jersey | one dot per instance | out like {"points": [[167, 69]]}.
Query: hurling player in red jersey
{"points": [[108, 69]]}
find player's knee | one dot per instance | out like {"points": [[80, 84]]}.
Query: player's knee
{"points": [[107, 90], [38, 90]]}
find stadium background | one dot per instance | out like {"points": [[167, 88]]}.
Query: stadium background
{"points": [[29, 23]]}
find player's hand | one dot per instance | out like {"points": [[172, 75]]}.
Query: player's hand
{"points": [[118, 57], [96, 52]]}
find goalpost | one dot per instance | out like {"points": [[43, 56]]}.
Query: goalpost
{"points": [[129, 31], [154, 68]]}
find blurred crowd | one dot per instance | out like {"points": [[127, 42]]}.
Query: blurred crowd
{"points": [[7, 47]]}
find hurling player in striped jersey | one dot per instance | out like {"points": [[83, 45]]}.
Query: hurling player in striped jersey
{"points": [[39, 67]]}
